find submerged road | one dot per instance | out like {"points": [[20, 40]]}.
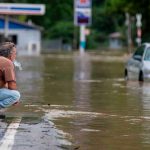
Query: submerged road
{"points": [[75, 103], [30, 132], [8, 139]]}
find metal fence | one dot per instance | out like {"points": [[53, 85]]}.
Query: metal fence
{"points": [[55, 45]]}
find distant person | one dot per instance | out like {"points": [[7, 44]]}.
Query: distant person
{"points": [[8, 89]]}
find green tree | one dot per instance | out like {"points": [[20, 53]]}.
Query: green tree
{"points": [[107, 16], [133, 7]]}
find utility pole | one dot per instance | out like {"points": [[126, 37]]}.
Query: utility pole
{"points": [[128, 32], [75, 36], [6, 29], [139, 31], [82, 18], [82, 39]]}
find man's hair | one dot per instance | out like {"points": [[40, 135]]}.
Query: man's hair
{"points": [[6, 48]]}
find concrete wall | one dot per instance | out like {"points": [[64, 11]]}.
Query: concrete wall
{"points": [[115, 43]]}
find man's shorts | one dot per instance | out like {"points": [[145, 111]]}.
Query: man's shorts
{"points": [[8, 97]]}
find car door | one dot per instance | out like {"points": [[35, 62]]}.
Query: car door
{"points": [[135, 63]]}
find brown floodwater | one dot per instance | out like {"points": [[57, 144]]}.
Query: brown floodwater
{"points": [[87, 101]]}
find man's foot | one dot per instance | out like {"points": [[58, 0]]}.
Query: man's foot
{"points": [[2, 113], [16, 103], [2, 116]]}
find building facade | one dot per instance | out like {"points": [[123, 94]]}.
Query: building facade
{"points": [[27, 37]]}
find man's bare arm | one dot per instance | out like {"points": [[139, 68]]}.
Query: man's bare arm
{"points": [[12, 85]]}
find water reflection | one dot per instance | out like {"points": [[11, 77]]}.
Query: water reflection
{"points": [[89, 100], [82, 100], [30, 84], [30, 79], [142, 91], [82, 76]]}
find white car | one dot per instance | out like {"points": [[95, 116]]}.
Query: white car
{"points": [[138, 66]]}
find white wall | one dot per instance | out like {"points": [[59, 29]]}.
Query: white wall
{"points": [[27, 39]]}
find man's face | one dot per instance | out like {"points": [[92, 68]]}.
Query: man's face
{"points": [[13, 54]]}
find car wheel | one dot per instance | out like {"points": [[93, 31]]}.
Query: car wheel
{"points": [[126, 74], [141, 78]]}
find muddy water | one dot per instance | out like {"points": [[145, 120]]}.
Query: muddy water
{"points": [[87, 101]]}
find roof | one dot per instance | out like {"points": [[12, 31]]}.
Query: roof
{"points": [[146, 43], [15, 24], [115, 35]]}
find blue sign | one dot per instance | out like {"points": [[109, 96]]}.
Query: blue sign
{"points": [[83, 17], [82, 12]]}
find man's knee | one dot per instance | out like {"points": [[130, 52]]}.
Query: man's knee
{"points": [[16, 95]]}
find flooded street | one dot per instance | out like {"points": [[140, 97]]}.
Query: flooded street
{"points": [[75, 102]]}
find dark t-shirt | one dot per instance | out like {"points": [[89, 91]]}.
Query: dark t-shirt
{"points": [[7, 72]]}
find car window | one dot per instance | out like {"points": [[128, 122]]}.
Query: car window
{"points": [[139, 52], [147, 54]]}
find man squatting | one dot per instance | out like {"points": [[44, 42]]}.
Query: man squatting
{"points": [[8, 89]]}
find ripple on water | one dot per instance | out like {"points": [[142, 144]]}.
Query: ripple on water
{"points": [[89, 130]]}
